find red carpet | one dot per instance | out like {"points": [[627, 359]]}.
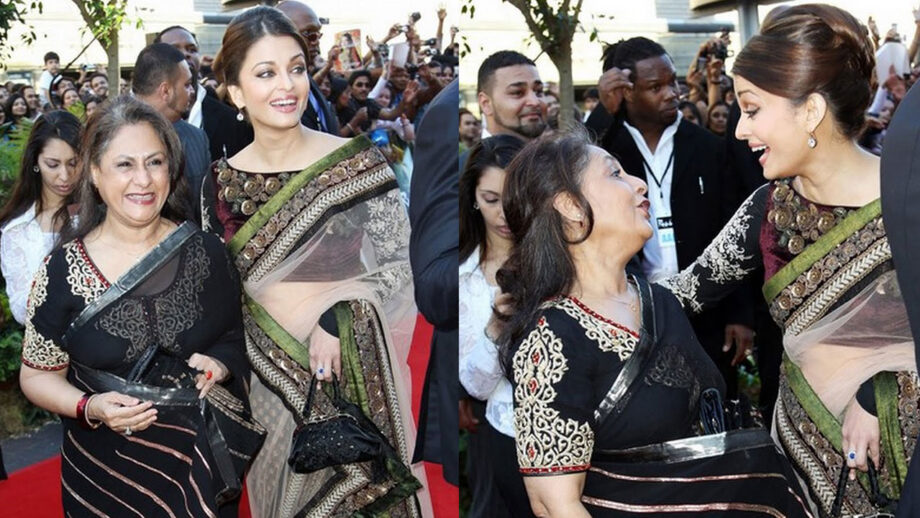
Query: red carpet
{"points": [[35, 491]]}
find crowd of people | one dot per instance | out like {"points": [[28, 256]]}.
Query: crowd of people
{"points": [[615, 274], [193, 256]]}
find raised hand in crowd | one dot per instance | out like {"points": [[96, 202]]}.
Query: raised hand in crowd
{"points": [[612, 87], [896, 85], [392, 33], [714, 80], [873, 31], [324, 70]]}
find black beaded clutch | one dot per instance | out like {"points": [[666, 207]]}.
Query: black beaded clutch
{"points": [[345, 438]]}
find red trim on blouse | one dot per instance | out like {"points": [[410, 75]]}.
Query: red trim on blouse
{"points": [[554, 470], [27, 363], [600, 317], [92, 265]]}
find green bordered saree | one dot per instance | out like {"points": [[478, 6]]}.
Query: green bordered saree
{"points": [[839, 304], [334, 236]]}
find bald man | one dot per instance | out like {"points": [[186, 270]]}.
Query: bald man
{"points": [[307, 24], [318, 115]]}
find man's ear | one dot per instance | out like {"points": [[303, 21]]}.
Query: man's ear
{"points": [[485, 104]]}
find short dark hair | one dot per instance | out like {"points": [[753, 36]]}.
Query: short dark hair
{"points": [[159, 37], [51, 55], [624, 54], [356, 74], [156, 63], [501, 59], [94, 75], [591, 93]]}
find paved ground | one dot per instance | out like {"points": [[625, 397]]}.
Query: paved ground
{"points": [[24, 451]]}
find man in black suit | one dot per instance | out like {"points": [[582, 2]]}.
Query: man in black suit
{"points": [[318, 115], [692, 195], [900, 192], [434, 255], [163, 80], [226, 134]]}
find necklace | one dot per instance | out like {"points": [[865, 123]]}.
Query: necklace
{"points": [[627, 300]]}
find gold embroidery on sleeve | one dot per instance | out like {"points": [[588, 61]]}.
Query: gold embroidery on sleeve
{"points": [[546, 441]]}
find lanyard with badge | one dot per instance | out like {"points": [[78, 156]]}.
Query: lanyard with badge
{"points": [[663, 222]]}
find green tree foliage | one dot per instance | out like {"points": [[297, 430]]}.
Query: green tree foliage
{"points": [[12, 12], [104, 18]]}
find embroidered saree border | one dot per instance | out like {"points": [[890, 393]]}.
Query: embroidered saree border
{"points": [[820, 248], [273, 205], [827, 424]]}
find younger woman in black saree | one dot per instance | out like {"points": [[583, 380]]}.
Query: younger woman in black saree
{"points": [[618, 409], [135, 323]]}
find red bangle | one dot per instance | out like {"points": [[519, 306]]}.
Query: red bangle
{"points": [[82, 418]]}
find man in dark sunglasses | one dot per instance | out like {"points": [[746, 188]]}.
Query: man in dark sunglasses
{"points": [[318, 115], [308, 25]]}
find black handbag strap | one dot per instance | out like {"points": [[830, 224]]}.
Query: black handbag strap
{"points": [[308, 406], [163, 252], [636, 363], [878, 499]]}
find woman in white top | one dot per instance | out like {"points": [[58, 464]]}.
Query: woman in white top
{"points": [[485, 242], [32, 217]]}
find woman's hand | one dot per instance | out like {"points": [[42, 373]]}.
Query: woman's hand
{"points": [[860, 435], [121, 413], [212, 371], [325, 355]]}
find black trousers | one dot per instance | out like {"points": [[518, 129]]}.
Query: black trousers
{"points": [[480, 469], [507, 477]]}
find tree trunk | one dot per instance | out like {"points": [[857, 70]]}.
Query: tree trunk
{"points": [[114, 73], [562, 58]]}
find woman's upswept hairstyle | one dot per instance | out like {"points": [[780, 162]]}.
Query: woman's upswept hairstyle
{"points": [[101, 129], [495, 151], [244, 30], [540, 265], [813, 48], [57, 124]]}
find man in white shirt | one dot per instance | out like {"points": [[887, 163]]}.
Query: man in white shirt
{"points": [[690, 189]]}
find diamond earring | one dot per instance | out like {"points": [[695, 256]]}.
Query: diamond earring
{"points": [[240, 117], [476, 205], [35, 169], [812, 142]]}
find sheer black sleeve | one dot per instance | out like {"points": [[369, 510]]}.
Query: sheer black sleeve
{"points": [[727, 262]]}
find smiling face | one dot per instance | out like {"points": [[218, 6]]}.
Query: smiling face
{"points": [[70, 98], [132, 176], [655, 94], [100, 86], [489, 198], [272, 85], [617, 199], [771, 124], [57, 163], [19, 107], [31, 98], [514, 102]]}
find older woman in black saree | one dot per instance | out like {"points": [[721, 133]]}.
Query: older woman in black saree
{"points": [[618, 409], [134, 336]]}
